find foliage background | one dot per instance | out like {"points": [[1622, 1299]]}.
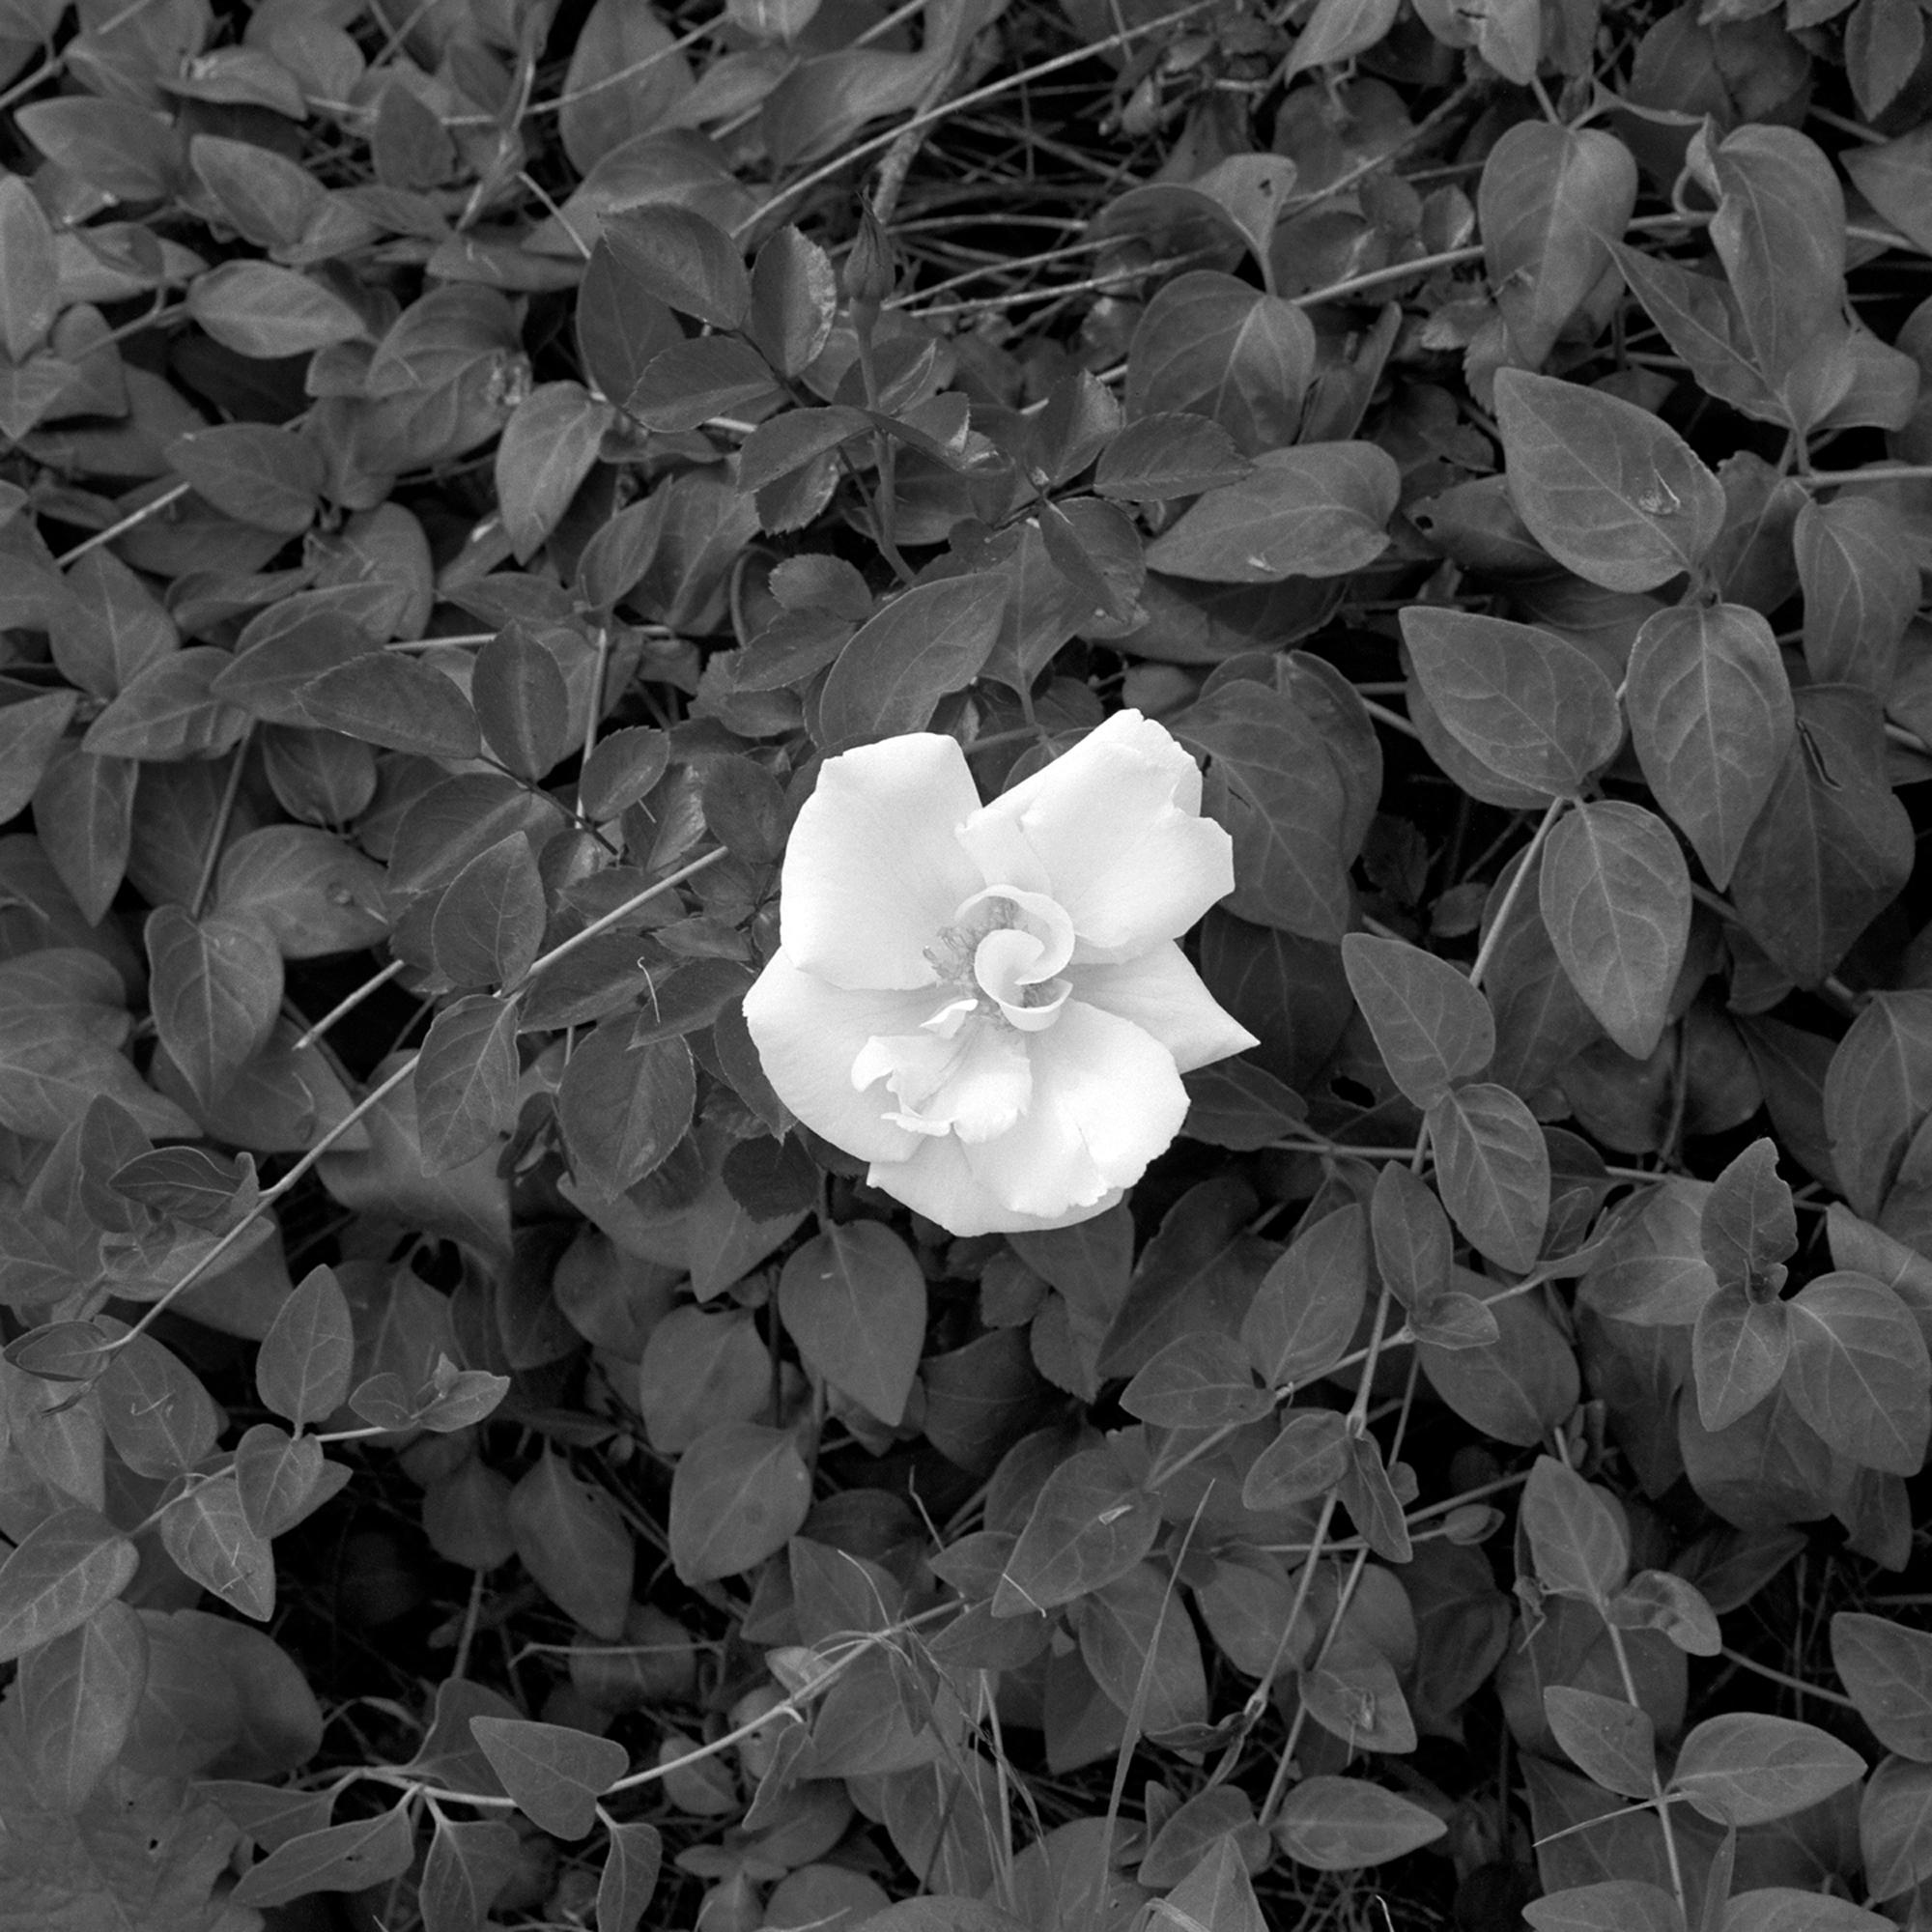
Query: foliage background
{"points": [[466, 1456]]}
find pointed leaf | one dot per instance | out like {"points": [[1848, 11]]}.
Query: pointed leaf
{"points": [[1712, 720], [740, 1493], [1091, 1523], [1340, 1824], [1738, 1351], [1493, 1168], [306, 1358], [490, 920], [1886, 1667], [622, 1108], [555, 1773], [1534, 709], [1310, 1301], [1576, 1540], [466, 1082], [1605, 487], [387, 700], [1318, 510], [1616, 1743], [1860, 1373], [853, 1299], [1744, 1767], [1615, 895], [1430, 1025], [1749, 1224], [216, 987], [79, 1695], [930, 640]]}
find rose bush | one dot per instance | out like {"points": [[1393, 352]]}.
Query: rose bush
{"points": [[987, 1001]]}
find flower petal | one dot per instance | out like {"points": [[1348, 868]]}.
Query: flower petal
{"points": [[1113, 831], [809, 1033], [1106, 1099], [938, 1184], [873, 869], [1162, 993]]}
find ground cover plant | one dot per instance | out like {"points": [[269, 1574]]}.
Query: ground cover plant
{"points": [[1339, 583]]}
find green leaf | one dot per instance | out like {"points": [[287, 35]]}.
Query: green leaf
{"points": [[1534, 709], [1878, 1092], [468, 1865], [1743, 1768], [740, 1493], [575, 1544], [387, 699], [79, 1695], [1749, 1224], [1517, 1387], [266, 477], [626, 73], [466, 1081], [490, 920], [1340, 1824], [1138, 1641], [110, 627], [1886, 1667], [1090, 1524], [216, 987], [58, 1575], [555, 1773], [1895, 1827], [1860, 584], [794, 300], [209, 1535], [547, 449], [1616, 1743], [689, 383], [1431, 1027], [1860, 1373], [1712, 720], [1210, 345], [1576, 1541], [303, 1368], [1172, 454], [1273, 783], [339, 1857], [1338, 30], [1415, 1250], [1197, 1382], [262, 311], [629, 1875], [1218, 1894], [853, 1299], [1606, 488], [29, 274], [1738, 1351], [1615, 895], [1779, 231], [1614, 1905], [1310, 1301], [1321, 509], [29, 733], [1552, 200], [1492, 1167], [687, 262], [1833, 846], [622, 1108], [315, 893], [83, 814], [282, 1478], [159, 1418], [1309, 1457], [930, 640], [167, 710], [1698, 316], [127, 152]]}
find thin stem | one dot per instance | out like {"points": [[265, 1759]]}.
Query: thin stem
{"points": [[132, 521], [1486, 952], [992, 90], [212, 853], [1790, 1683], [377, 1094], [345, 1007]]}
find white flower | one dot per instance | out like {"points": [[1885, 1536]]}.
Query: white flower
{"points": [[986, 1002]]}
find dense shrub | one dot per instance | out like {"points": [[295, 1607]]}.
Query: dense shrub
{"points": [[468, 1453]]}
